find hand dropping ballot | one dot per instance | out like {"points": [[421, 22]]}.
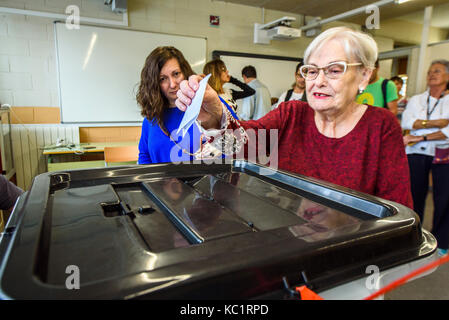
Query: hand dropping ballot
{"points": [[192, 112]]}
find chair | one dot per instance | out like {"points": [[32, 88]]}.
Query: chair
{"points": [[119, 156]]}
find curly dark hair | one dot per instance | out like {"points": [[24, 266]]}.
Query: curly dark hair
{"points": [[149, 95]]}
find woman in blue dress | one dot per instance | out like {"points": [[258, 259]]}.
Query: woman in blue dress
{"points": [[164, 69]]}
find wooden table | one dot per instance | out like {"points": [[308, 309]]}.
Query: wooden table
{"points": [[52, 153]]}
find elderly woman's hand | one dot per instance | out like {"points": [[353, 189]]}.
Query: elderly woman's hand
{"points": [[211, 107], [411, 139]]}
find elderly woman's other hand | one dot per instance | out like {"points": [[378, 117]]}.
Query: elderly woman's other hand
{"points": [[211, 107]]}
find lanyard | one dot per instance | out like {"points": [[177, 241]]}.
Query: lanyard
{"points": [[229, 108], [434, 106]]}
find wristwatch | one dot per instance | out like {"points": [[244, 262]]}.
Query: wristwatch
{"points": [[424, 123], [424, 138]]}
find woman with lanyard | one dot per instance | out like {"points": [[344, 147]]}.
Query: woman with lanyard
{"points": [[427, 116], [219, 77]]}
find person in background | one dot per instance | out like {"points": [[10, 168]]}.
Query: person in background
{"points": [[219, 77], [331, 137], [427, 116], [380, 92], [297, 92], [402, 100], [256, 106], [164, 69], [9, 193]]}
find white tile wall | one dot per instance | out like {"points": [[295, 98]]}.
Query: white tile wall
{"points": [[6, 97], [64, 3], [39, 98], [28, 64], [44, 82], [4, 63], [19, 4], [139, 9], [27, 30], [13, 46], [41, 5], [3, 29], [15, 81], [40, 48]]}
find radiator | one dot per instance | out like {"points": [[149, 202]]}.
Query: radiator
{"points": [[28, 142]]}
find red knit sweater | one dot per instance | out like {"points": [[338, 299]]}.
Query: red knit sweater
{"points": [[371, 158]]}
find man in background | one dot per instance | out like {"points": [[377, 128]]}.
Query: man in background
{"points": [[380, 92], [259, 104]]}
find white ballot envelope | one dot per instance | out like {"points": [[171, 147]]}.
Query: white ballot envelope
{"points": [[192, 112]]}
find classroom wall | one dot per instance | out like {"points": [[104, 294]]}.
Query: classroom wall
{"points": [[408, 32], [191, 17], [27, 56], [384, 44], [413, 67], [434, 52]]}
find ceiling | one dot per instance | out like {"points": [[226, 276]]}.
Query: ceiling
{"points": [[412, 10], [440, 16]]}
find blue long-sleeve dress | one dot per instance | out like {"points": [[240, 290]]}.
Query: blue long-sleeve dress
{"points": [[155, 146]]}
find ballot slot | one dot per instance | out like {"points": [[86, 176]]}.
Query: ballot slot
{"points": [[150, 222], [129, 201], [198, 217]]}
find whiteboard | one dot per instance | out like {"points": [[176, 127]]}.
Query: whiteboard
{"points": [[276, 72], [99, 70]]}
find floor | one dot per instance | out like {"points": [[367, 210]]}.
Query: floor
{"points": [[434, 286]]}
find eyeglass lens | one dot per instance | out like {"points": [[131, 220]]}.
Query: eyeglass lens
{"points": [[333, 71]]}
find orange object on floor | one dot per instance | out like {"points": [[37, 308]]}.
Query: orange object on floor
{"points": [[307, 294]]}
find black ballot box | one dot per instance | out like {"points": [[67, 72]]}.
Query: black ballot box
{"points": [[199, 231]]}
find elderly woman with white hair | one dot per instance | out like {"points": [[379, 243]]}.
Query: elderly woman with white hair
{"points": [[427, 116], [330, 137]]}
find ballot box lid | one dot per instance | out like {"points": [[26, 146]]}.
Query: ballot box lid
{"points": [[197, 231]]}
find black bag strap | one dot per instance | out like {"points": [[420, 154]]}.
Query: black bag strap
{"points": [[289, 95], [384, 92]]}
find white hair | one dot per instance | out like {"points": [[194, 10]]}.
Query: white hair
{"points": [[356, 44], [444, 62]]}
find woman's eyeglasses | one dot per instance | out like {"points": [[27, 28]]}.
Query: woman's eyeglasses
{"points": [[334, 70]]}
